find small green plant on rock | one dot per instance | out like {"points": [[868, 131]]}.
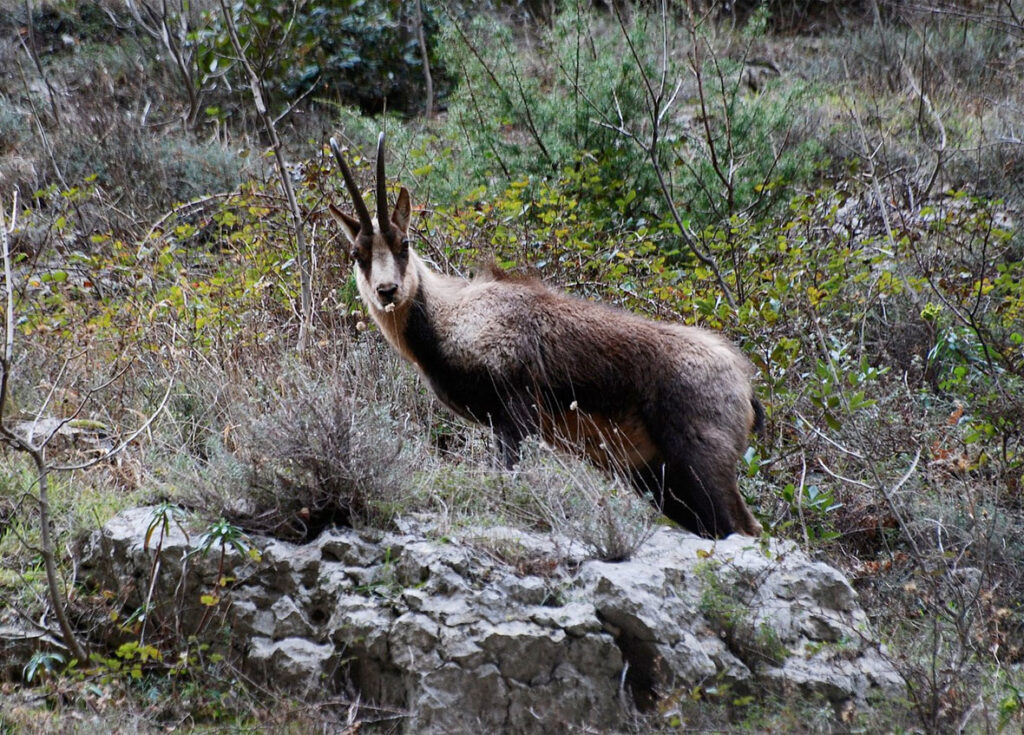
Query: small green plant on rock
{"points": [[755, 642]]}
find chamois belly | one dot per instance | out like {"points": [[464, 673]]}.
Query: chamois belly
{"points": [[611, 443], [615, 441], [473, 395]]}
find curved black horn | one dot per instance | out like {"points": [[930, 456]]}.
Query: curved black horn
{"points": [[383, 220], [365, 222]]}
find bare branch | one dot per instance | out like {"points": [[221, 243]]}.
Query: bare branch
{"points": [[656, 110], [128, 440], [428, 79], [32, 52], [302, 252], [926, 103], [9, 288], [171, 29]]}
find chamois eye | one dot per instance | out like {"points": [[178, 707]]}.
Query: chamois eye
{"points": [[360, 255], [405, 243]]}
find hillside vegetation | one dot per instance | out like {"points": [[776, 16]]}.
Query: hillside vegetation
{"points": [[838, 187]]}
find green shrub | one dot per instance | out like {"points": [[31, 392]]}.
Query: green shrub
{"points": [[363, 52], [532, 117], [566, 114], [149, 176]]}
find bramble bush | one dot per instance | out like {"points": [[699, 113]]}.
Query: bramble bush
{"points": [[561, 114]]}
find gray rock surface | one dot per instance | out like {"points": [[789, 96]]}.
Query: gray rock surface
{"points": [[501, 630]]}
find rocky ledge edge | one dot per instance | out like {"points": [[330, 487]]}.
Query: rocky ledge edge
{"points": [[500, 629]]}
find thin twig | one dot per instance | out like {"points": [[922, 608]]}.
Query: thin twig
{"points": [[800, 500], [9, 286], [131, 437], [302, 253], [821, 435], [849, 480]]}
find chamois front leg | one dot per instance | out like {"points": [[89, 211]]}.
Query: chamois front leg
{"points": [[510, 427], [508, 438]]}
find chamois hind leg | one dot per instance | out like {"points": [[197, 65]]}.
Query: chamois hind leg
{"points": [[696, 487], [692, 500], [712, 495]]}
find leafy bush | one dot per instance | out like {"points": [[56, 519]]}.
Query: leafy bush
{"points": [[363, 52], [569, 116], [148, 176], [530, 118]]}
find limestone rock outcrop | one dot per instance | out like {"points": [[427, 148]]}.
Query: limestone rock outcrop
{"points": [[502, 630]]}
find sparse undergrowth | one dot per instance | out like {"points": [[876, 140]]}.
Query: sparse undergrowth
{"points": [[867, 229]]}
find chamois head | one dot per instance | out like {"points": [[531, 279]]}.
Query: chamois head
{"points": [[379, 246]]}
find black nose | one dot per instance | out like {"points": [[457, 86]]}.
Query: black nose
{"points": [[387, 292]]}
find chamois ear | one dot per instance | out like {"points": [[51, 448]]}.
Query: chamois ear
{"points": [[348, 223], [400, 216]]}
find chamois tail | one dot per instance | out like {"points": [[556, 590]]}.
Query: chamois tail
{"points": [[759, 417]]}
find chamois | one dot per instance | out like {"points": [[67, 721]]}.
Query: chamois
{"points": [[671, 405]]}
